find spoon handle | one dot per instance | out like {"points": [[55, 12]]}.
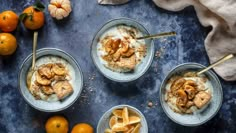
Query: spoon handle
{"points": [[34, 48], [227, 57], [165, 34]]}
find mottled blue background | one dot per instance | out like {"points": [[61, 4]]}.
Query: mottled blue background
{"points": [[74, 35]]}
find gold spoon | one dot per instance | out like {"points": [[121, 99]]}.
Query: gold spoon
{"points": [[164, 34], [225, 58], [32, 69]]}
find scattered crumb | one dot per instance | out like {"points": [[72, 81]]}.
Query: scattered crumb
{"points": [[87, 91], [150, 104], [157, 54], [160, 52], [92, 77], [142, 105]]}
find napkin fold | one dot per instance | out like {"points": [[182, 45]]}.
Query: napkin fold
{"points": [[218, 14], [112, 2]]}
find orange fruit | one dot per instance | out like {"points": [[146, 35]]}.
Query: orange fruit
{"points": [[82, 128], [57, 124], [34, 19], [7, 44], [8, 21]]}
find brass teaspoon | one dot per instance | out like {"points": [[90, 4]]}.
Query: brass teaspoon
{"points": [[32, 69], [164, 34], [225, 58]]}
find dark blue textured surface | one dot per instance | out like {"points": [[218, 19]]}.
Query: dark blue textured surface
{"points": [[74, 35]]}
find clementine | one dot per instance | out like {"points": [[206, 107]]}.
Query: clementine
{"points": [[8, 44], [32, 18], [82, 128], [8, 21], [57, 124]]}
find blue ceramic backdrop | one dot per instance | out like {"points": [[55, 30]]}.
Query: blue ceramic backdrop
{"points": [[74, 35]]}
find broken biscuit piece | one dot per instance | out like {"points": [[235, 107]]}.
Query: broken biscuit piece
{"points": [[62, 89], [201, 99]]}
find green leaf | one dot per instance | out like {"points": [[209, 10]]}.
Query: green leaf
{"points": [[23, 16], [39, 6], [30, 17]]}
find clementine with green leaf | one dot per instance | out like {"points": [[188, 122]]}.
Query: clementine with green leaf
{"points": [[33, 17]]}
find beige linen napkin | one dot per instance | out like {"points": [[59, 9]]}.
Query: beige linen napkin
{"points": [[221, 16]]}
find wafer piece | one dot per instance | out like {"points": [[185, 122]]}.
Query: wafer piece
{"points": [[113, 121], [131, 128], [134, 119], [108, 131], [125, 116], [137, 128], [118, 127], [117, 113]]}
